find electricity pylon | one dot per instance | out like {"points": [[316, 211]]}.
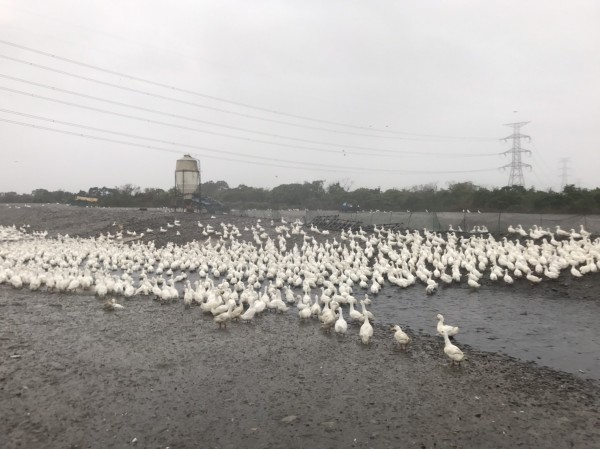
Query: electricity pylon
{"points": [[516, 165], [564, 172]]}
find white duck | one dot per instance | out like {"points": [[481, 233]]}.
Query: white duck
{"points": [[248, 315], [304, 313], [328, 310], [212, 302], [340, 325], [259, 306], [188, 295], [328, 317], [289, 296], [222, 318], [315, 309], [507, 278], [222, 308], [401, 337], [375, 287], [452, 351], [441, 327], [473, 283], [355, 315], [366, 331], [237, 311], [366, 312]]}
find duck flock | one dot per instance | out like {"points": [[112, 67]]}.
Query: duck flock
{"points": [[285, 266]]}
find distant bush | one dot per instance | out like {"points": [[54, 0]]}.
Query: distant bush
{"points": [[315, 195]]}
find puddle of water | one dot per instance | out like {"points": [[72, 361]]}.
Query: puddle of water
{"points": [[559, 333]]}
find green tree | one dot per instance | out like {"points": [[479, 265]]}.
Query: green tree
{"points": [[214, 188]]}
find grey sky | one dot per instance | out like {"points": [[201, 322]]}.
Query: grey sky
{"points": [[456, 69]]}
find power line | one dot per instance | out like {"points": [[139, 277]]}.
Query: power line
{"points": [[175, 143], [295, 164], [154, 111], [191, 92], [190, 103], [179, 144], [152, 147], [541, 163], [188, 128], [541, 171]]}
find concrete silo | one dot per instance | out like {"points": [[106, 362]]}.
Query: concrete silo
{"points": [[187, 181]]}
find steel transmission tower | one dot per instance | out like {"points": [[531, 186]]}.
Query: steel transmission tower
{"points": [[564, 171], [516, 165]]}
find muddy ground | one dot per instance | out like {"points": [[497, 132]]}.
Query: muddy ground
{"points": [[75, 376]]}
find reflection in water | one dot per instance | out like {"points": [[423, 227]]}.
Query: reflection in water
{"points": [[559, 333]]}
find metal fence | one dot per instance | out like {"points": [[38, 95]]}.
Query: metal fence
{"points": [[439, 221]]}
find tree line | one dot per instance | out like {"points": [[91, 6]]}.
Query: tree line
{"points": [[315, 195]]}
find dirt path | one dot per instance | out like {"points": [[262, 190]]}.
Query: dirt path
{"points": [[168, 377]]}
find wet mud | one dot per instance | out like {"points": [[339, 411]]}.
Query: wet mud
{"points": [[73, 375]]}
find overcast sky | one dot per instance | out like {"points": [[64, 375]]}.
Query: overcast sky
{"points": [[387, 94]]}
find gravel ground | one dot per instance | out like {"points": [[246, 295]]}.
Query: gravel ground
{"points": [[75, 376]]}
